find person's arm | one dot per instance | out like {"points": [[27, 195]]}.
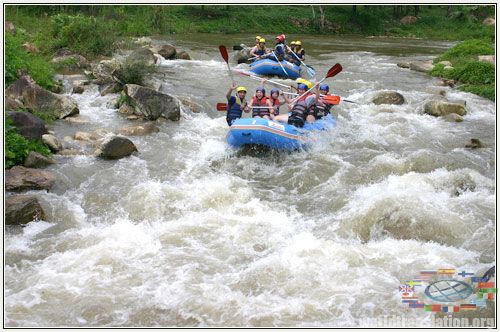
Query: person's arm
{"points": [[252, 52], [229, 92]]}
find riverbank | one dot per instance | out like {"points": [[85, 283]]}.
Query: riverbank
{"points": [[432, 22]]}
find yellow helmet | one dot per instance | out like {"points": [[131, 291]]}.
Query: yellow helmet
{"points": [[303, 81], [298, 42], [241, 88], [258, 37], [262, 40], [293, 43]]}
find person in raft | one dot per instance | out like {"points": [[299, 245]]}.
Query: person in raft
{"points": [[300, 54], [258, 50], [300, 109], [236, 104], [321, 108], [279, 50], [275, 102], [260, 104]]}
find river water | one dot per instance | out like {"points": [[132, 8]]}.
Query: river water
{"points": [[189, 232]]}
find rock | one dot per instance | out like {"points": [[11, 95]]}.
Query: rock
{"points": [[167, 51], [112, 87], [116, 147], [388, 97], [486, 58], [441, 108], [136, 117], [183, 55], [475, 144], [100, 133], [458, 101], [191, 105], [12, 104], [446, 82], [445, 63], [78, 89], [21, 178], [9, 26], [143, 41], [29, 125], [52, 142], [489, 21], [422, 66], [142, 55], [31, 48], [37, 160], [403, 64], [407, 20], [139, 130], [22, 209], [453, 117], [126, 109], [104, 70], [84, 136], [77, 119], [71, 60], [36, 98], [152, 104], [242, 55]]}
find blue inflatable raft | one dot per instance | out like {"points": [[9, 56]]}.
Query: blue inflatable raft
{"points": [[271, 67], [276, 135]]}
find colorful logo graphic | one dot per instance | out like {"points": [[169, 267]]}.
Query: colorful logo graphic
{"points": [[452, 291]]}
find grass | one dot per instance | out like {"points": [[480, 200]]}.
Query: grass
{"points": [[475, 76]]}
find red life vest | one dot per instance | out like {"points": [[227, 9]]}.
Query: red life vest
{"points": [[260, 103]]}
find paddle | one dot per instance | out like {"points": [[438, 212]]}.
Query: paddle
{"points": [[260, 79], [222, 107], [310, 70], [223, 53], [296, 94], [286, 74], [336, 68]]}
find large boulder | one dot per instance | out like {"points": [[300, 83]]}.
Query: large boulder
{"points": [[139, 130], [422, 66], [407, 20], [388, 97], [116, 147], [36, 98], [167, 51], [112, 87], [22, 209], [29, 125], [442, 108], [152, 104], [37, 160], [142, 55], [21, 178]]}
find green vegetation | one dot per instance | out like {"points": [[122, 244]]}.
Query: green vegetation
{"points": [[476, 76], [68, 23], [17, 147], [18, 61], [133, 72]]}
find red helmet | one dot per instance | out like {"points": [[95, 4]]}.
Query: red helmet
{"points": [[281, 38]]}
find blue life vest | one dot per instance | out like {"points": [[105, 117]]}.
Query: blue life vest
{"points": [[234, 109]]}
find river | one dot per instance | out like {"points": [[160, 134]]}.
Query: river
{"points": [[189, 232]]}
